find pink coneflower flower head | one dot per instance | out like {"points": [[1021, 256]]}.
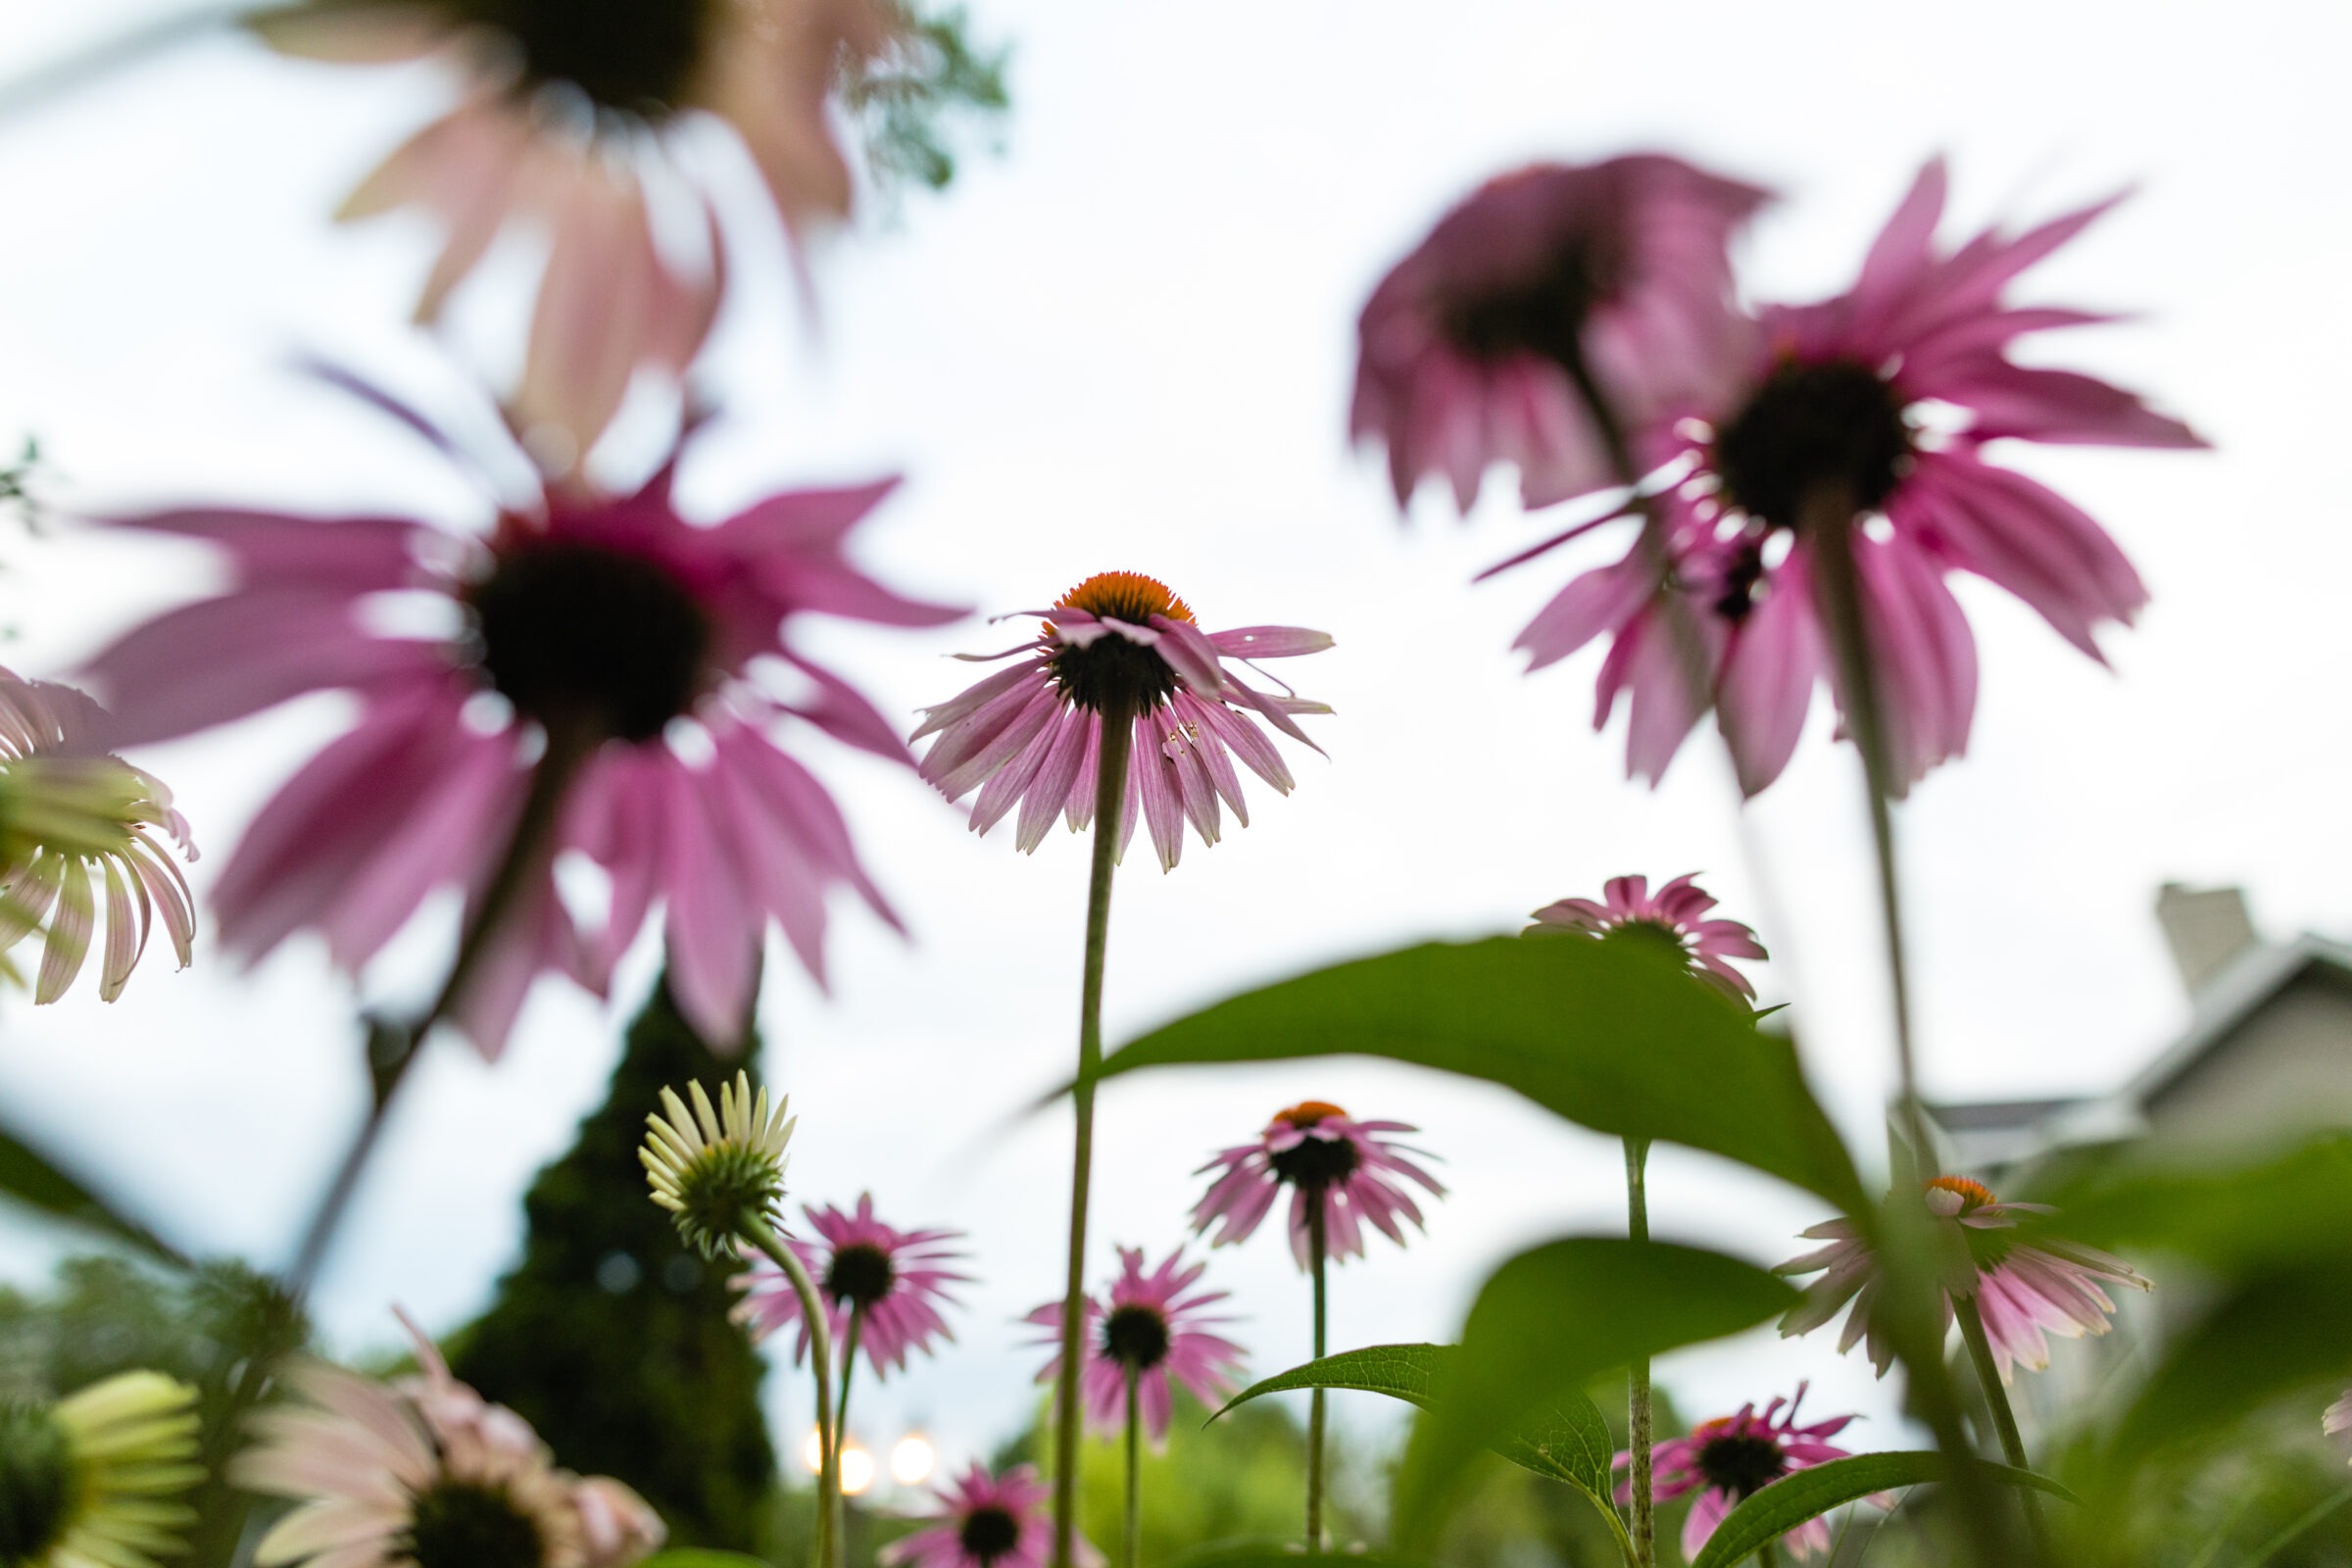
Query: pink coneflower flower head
{"points": [[1348, 1168], [426, 1474], [575, 119], [1872, 414], [2024, 1286], [603, 643], [74, 822], [987, 1521], [896, 1281], [1477, 348], [1732, 1459], [1154, 1328], [1119, 648], [1673, 919]]}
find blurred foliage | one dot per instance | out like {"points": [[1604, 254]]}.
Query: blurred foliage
{"points": [[925, 95], [216, 1326], [612, 1339]]}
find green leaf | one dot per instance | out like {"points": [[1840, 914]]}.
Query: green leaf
{"points": [[33, 1179], [1566, 1440], [702, 1557], [1608, 1035], [1543, 1326], [2278, 1333], [1275, 1554], [2271, 1211], [1791, 1501]]}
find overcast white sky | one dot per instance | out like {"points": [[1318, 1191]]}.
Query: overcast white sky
{"points": [[1128, 343]]}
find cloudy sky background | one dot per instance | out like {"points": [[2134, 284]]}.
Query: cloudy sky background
{"points": [[1127, 343]]}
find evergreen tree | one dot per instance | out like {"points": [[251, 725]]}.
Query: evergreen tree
{"points": [[611, 1338]]}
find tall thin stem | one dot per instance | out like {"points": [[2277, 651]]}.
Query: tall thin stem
{"points": [[1316, 1251], [826, 1551], [848, 1364], [1110, 800], [1638, 1399], [393, 1048], [1132, 1536], [1996, 1400]]}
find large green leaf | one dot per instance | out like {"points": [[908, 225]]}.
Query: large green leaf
{"points": [[1809, 1494], [1278, 1555], [1543, 1326], [2276, 1332], [2258, 1211], [1566, 1440], [33, 1179], [1609, 1035]]}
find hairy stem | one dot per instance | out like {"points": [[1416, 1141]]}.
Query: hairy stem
{"points": [[1132, 1536], [826, 1551], [1316, 1414], [1638, 1406], [1110, 800]]}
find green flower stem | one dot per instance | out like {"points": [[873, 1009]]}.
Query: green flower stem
{"points": [[1132, 1536], [1638, 1399], [1315, 1248], [827, 1551], [1110, 800], [848, 1364], [1768, 1555], [393, 1048], [1997, 1398]]}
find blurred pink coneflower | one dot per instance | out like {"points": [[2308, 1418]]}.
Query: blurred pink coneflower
{"points": [[1730, 1459], [895, 1280]]}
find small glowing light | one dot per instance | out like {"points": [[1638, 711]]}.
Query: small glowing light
{"points": [[812, 1452], [912, 1459], [857, 1469]]}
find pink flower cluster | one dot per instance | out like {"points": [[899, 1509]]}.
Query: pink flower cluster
{"points": [[1578, 323]]}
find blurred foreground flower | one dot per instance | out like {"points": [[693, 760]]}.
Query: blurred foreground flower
{"points": [[426, 1474], [986, 1521], [1345, 1168], [891, 1280], [1732, 1459], [597, 688], [716, 1170], [1868, 416], [2338, 1417], [96, 1480], [1151, 1330], [1118, 648], [1484, 344], [2023, 1285], [1674, 918], [578, 118], [66, 807]]}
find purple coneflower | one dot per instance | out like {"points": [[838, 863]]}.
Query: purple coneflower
{"points": [[69, 808], [891, 1281], [1347, 1168], [575, 119], [2024, 1287], [1151, 1331], [1674, 917], [1118, 643], [1730, 1459], [427, 1474], [1870, 414], [608, 637], [1475, 347], [986, 1521]]}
